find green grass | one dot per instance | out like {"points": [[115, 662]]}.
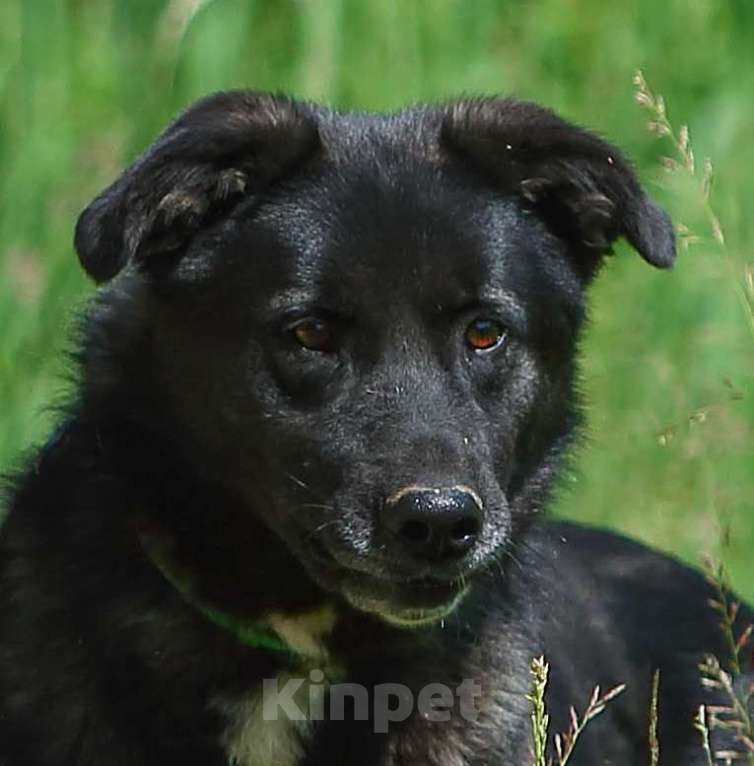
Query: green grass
{"points": [[86, 85]]}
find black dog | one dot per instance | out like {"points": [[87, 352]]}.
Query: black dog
{"points": [[324, 394]]}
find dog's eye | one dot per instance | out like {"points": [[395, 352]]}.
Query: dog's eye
{"points": [[314, 334], [484, 334]]}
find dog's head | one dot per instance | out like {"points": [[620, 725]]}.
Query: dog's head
{"points": [[365, 325]]}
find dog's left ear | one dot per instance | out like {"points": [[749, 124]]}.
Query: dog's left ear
{"points": [[583, 186]]}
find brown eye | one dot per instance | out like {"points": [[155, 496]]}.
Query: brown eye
{"points": [[314, 334], [484, 334]]}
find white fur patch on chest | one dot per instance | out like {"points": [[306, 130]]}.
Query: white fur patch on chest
{"points": [[250, 740], [261, 732]]}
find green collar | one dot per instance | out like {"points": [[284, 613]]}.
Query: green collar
{"points": [[248, 633]]}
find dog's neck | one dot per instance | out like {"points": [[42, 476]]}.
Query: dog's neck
{"points": [[160, 551], [300, 637]]}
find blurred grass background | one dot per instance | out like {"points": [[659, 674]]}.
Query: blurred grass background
{"points": [[668, 361]]}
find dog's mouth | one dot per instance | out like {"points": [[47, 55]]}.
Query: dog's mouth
{"points": [[409, 602]]}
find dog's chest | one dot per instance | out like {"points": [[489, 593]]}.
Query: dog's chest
{"points": [[253, 739], [271, 725]]}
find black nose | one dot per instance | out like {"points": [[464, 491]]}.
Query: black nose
{"points": [[434, 524]]}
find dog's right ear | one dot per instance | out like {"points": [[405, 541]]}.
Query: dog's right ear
{"points": [[224, 147]]}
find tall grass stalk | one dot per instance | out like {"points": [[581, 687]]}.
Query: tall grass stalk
{"points": [[700, 724], [742, 278], [736, 714], [654, 717], [737, 688], [540, 721], [564, 742]]}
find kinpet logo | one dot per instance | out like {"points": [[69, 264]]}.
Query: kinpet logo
{"points": [[312, 699]]}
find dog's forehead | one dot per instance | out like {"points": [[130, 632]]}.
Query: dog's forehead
{"points": [[350, 139], [387, 221]]}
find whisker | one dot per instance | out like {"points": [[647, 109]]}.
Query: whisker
{"points": [[298, 481], [324, 526], [513, 558]]}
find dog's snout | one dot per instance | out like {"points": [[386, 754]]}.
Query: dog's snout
{"points": [[434, 524]]}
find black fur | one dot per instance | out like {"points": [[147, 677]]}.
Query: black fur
{"points": [[265, 466]]}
